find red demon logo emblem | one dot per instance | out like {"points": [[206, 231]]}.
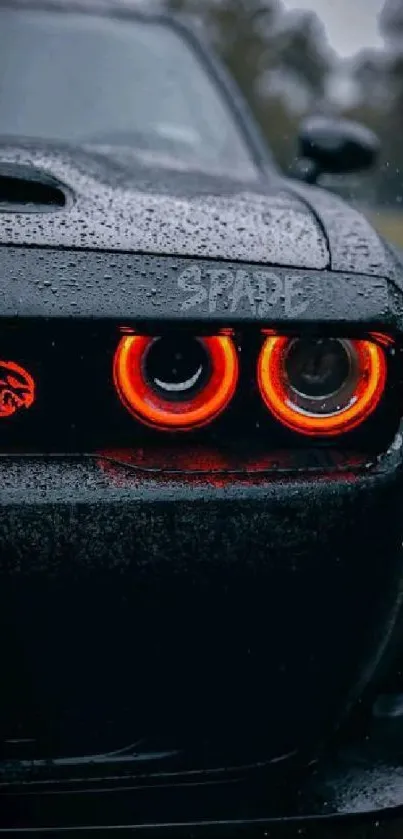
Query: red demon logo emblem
{"points": [[17, 388]]}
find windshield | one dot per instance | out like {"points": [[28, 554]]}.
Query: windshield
{"points": [[89, 79]]}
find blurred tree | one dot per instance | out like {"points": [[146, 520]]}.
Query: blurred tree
{"points": [[389, 112], [280, 61], [241, 31], [391, 22], [370, 71], [303, 51], [391, 19]]}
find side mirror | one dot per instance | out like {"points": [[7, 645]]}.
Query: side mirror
{"points": [[334, 147]]}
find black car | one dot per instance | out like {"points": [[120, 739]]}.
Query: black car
{"points": [[201, 444]]}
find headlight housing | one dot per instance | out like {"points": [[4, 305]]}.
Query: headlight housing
{"points": [[176, 383], [321, 387]]}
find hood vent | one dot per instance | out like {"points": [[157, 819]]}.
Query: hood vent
{"points": [[24, 189]]}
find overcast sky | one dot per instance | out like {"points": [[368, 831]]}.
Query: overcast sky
{"points": [[350, 24]]}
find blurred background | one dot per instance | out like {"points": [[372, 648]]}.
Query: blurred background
{"points": [[297, 57]]}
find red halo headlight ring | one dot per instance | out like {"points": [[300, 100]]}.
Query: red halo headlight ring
{"points": [[336, 414], [145, 401]]}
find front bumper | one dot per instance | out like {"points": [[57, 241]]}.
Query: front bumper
{"points": [[212, 621], [356, 793]]}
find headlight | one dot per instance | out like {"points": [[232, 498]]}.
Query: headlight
{"points": [[176, 383], [321, 387]]}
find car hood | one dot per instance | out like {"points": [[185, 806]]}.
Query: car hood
{"points": [[115, 201], [118, 200]]}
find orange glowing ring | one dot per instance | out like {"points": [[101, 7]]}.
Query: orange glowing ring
{"points": [[148, 406], [277, 397]]}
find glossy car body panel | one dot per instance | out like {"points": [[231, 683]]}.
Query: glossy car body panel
{"points": [[131, 288], [193, 620], [131, 600], [116, 208]]}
